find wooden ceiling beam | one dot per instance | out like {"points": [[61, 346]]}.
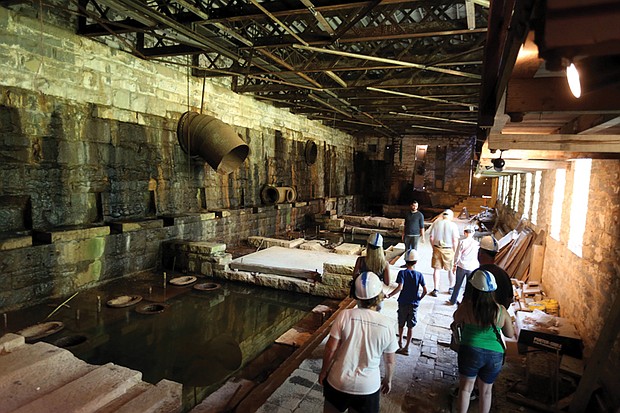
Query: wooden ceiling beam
{"points": [[526, 165], [551, 94], [568, 143]]}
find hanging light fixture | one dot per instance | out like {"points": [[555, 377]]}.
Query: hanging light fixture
{"points": [[574, 83], [498, 163], [592, 74]]}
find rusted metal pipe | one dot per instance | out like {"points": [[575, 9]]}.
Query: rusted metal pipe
{"points": [[212, 140]]}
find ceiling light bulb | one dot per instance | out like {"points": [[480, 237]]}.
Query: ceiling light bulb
{"points": [[572, 75]]}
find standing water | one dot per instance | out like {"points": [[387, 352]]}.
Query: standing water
{"points": [[197, 337]]}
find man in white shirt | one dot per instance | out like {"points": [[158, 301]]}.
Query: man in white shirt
{"points": [[358, 339], [444, 239], [465, 261]]}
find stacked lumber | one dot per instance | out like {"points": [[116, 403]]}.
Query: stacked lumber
{"points": [[521, 256]]}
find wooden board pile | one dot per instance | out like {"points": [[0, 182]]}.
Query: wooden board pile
{"points": [[522, 256]]}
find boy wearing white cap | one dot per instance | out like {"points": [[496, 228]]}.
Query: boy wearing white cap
{"points": [[409, 282]]}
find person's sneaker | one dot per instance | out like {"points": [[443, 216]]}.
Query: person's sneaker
{"points": [[433, 293], [448, 302], [403, 350]]}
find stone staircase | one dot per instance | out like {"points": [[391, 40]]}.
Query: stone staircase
{"points": [[40, 377]]}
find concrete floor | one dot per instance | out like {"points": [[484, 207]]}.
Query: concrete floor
{"points": [[422, 381]]}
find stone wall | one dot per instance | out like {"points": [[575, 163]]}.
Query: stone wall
{"points": [[88, 147], [586, 287], [396, 184]]}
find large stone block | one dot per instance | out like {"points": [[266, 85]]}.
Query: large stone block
{"points": [[348, 249], [53, 236], [338, 268], [330, 291], [337, 280]]}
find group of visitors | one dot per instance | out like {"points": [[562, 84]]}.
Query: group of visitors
{"points": [[361, 337]]}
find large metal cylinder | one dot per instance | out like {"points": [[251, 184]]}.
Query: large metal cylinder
{"points": [[213, 140], [271, 195]]}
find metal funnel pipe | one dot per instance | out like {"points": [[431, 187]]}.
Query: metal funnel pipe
{"points": [[213, 140]]}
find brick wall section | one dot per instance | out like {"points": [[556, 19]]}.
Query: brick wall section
{"points": [[587, 287]]}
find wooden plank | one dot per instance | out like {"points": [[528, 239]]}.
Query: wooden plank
{"points": [[536, 264], [261, 393], [523, 401], [551, 94], [557, 142], [600, 356]]}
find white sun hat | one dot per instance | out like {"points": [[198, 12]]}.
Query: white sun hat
{"points": [[489, 243], [375, 239], [411, 255], [368, 285], [483, 280]]}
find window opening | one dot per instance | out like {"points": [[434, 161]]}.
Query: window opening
{"points": [[558, 198], [536, 200], [527, 200], [579, 204]]}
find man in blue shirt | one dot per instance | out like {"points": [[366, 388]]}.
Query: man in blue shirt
{"points": [[414, 227]]}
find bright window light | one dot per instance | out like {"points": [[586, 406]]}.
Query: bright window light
{"points": [[558, 199], [500, 188], [527, 201], [579, 205], [517, 193], [506, 189], [536, 200]]}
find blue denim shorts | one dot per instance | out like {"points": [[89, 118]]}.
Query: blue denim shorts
{"points": [[474, 361]]}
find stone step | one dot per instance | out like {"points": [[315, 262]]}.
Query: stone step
{"points": [[33, 363], [163, 398], [88, 393], [41, 377], [35, 370]]}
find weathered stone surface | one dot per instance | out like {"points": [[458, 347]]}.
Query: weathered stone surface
{"points": [[136, 226], [264, 242], [338, 268], [337, 280], [165, 396], [335, 224], [53, 236], [330, 291], [348, 249], [10, 342], [15, 242], [314, 245]]}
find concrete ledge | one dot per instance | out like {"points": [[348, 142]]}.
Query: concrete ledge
{"points": [[170, 220], [11, 243], [124, 226], [264, 242], [70, 234]]}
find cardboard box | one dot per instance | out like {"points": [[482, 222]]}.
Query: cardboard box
{"points": [[547, 332]]}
